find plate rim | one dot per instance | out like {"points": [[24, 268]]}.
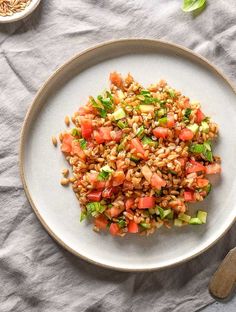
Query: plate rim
{"points": [[27, 121]]}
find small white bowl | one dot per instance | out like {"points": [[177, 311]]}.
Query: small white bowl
{"points": [[20, 15]]}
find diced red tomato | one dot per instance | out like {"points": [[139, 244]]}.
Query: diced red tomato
{"points": [[202, 182], [97, 137], [194, 166], [115, 211], [160, 132], [118, 178], [186, 134], [189, 196], [199, 116], [118, 136], [157, 182], [86, 127], [137, 145], [101, 222], [95, 196], [170, 120], [132, 227], [108, 192], [129, 204], [116, 79], [114, 229], [77, 150], [146, 202], [213, 168], [105, 133], [92, 177], [66, 145]]}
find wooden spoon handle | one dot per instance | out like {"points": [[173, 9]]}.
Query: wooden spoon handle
{"points": [[224, 279]]}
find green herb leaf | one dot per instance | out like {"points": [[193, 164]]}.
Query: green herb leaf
{"points": [[95, 208], [192, 5], [197, 148], [148, 141], [122, 223], [187, 113], [145, 225], [83, 143], [162, 121], [83, 215], [103, 176]]}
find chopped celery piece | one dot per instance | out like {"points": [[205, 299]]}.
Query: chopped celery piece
{"points": [[162, 121], [146, 108], [202, 216], [184, 217], [195, 221], [204, 127], [140, 131], [178, 222], [193, 128], [119, 114], [122, 124], [145, 225]]}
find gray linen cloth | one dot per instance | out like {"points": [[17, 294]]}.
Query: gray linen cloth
{"points": [[35, 273]]}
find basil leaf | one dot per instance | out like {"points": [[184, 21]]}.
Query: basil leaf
{"points": [[192, 5]]}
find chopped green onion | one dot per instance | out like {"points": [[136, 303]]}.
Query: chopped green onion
{"points": [[103, 176], [122, 145], [106, 102], [122, 124], [83, 143], [208, 188], [172, 172], [145, 225], [202, 215], [184, 217], [74, 132], [145, 92], [140, 131], [195, 221], [107, 169]]}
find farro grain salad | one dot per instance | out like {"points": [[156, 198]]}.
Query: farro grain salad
{"points": [[139, 156]]}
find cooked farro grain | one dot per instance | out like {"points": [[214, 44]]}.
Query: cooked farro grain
{"points": [[138, 157], [54, 140], [10, 7]]}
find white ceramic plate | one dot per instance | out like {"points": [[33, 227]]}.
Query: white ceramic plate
{"points": [[87, 74], [20, 15]]}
